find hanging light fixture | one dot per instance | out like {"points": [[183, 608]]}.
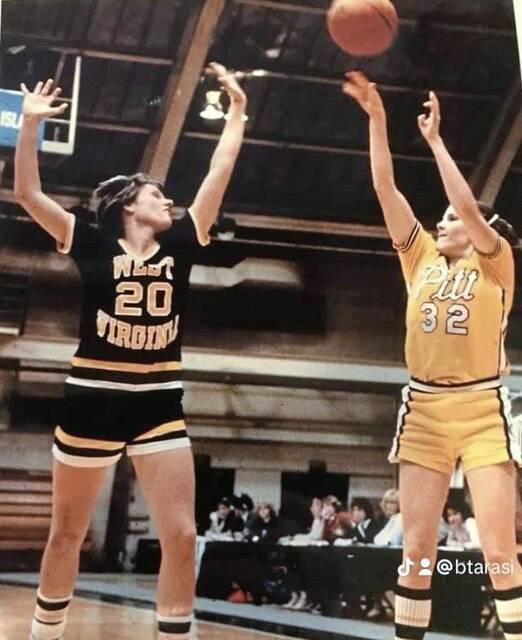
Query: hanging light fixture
{"points": [[213, 108]]}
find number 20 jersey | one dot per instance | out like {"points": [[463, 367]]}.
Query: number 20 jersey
{"points": [[132, 307], [457, 315]]}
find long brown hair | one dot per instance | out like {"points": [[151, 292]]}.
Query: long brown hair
{"points": [[501, 226], [113, 194]]}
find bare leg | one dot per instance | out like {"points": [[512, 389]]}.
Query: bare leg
{"points": [[167, 481], [493, 490], [75, 490], [423, 493]]}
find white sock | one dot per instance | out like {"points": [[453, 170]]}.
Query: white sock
{"points": [[509, 611], [412, 612], [49, 617]]}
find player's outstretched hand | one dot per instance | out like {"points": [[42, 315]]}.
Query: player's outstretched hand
{"points": [[429, 125], [358, 87], [37, 103], [228, 82]]}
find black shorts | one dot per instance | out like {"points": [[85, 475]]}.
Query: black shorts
{"points": [[97, 425]]}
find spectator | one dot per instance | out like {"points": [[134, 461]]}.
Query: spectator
{"points": [[391, 533], [330, 521], [336, 519], [244, 511], [246, 507], [364, 525], [463, 531], [299, 599], [265, 524], [316, 530], [221, 520]]}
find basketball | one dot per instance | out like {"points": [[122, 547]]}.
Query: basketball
{"points": [[362, 27]]}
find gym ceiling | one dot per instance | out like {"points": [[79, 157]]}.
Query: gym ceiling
{"points": [[303, 177]]}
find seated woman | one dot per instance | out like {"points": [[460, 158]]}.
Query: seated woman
{"points": [[364, 524], [463, 533], [310, 590], [265, 525], [391, 533], [336, 519]]}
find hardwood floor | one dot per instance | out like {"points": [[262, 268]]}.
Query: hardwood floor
{"points": [[93, 620]]}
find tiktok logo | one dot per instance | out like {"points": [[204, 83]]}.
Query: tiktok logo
{"points": [[404, 569]]}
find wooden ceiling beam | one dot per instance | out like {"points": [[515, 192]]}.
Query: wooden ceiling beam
{"points": [[407, 22], [500, 148], [50, 44], [184, 78]]}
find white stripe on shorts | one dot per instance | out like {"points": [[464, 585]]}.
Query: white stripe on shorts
{"points": [[392, 457], [123, 386], [514, 427], [153, 447], [84, 461], [457, 388]]}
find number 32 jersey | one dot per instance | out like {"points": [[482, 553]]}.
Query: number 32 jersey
{"points": [[132, 306], [457, 316]]}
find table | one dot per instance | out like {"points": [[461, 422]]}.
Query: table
{"points": [[354, 570], [328, 571]]}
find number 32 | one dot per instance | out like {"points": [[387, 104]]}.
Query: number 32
{"points": [[457, 315]]}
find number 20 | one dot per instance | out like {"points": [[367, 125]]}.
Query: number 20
{"points": [[131, 294]]}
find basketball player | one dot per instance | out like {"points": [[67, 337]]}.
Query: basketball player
{"points": [[460, 290], [124, 392]]}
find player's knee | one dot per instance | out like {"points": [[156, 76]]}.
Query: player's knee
{"points": [[495, 554], [417, 547], [186, 534], [62, 539], [180, 535]]}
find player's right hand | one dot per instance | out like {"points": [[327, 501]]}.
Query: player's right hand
{"points": [[37, 103], [358, 87], [228, 81]]}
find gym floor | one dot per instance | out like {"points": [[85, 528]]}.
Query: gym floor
{"points": [[90, 619]]}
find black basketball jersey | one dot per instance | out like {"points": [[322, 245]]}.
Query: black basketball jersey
{"points": [[132, 307]]}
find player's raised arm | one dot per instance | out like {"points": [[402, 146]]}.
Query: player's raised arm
{"points": [[46, 212], [398, 215], [483, 237], [205, 207]]}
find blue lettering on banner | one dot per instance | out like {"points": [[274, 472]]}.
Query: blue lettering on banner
{"points": [[11, 118]]}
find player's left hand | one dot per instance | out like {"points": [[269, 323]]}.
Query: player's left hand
{"points": [[228, 82], [429, 125]]}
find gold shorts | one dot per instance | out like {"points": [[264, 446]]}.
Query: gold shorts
{"points": [[434, 430]]}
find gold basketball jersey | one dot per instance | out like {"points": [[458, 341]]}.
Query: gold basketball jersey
{"points": [[456, 317]]}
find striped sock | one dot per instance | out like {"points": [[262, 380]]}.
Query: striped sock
{"points": [[174, 627], [49, 617], [509, 611], [412, 613]]}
